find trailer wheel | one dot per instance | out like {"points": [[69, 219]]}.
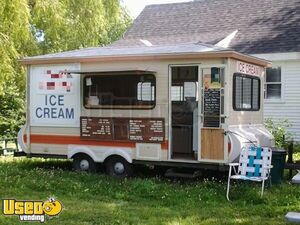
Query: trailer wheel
{"points": [[117, 166], [83, 162]]}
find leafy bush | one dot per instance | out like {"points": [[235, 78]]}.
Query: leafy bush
{"points": [[12, 112], [279, 129]]}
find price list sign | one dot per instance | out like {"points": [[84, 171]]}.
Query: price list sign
{"points": [[147, 130], [212, 102], [212, 108], [123, 129], [95, 128]]}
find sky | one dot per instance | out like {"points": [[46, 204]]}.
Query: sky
{"points": [[136, 6]]}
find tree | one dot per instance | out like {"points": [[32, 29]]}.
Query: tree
{"points": [[62, 25], [30, 27], [12, 113], [16, 40]]}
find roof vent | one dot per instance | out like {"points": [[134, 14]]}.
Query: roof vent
{"points": [[146, 42], [227, 40]]}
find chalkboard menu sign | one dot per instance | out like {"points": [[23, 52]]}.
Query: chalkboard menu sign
{"points": [[212, 108], [122, 129]]}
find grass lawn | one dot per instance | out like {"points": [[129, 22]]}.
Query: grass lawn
{"points": [[145, 199]]}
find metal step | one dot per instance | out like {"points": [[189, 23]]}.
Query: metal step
{"points": [[172, 173]]}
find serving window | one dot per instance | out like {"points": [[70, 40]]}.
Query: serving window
{"points": [[130, 91], [246, 92]]}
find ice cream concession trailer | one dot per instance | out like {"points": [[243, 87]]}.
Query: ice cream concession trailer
{"points": [[186, 105]]}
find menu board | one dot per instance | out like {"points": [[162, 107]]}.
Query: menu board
{"points": [[148, 130], [94, 128], [122, 129], [212, 102], [212, 108]]}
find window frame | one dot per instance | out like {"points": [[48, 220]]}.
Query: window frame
{"points": [[182, 91], [118, 107], [152, 93], [234, 92], [276, 82]]}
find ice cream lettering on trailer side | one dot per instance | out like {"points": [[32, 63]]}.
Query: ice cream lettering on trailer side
{"points": [[54, 96], [54, 108]]}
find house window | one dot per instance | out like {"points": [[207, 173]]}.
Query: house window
{"points": [[120, 91], [246, 92], [273, 83]]}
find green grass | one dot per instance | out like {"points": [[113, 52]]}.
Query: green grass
{"points": [[145, 199]]}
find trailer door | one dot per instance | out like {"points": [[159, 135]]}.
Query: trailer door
{"points": [[184, 112], [211, 133]]}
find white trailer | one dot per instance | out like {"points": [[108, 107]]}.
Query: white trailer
{"points": [[189, 105]]}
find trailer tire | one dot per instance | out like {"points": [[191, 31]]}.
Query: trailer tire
{"points": [[83, 162], [118, 167]]}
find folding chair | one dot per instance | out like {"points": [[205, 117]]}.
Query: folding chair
{"points": [[254, 165]]}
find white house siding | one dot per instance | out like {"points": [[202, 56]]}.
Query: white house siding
{"points": [[289, 106]]}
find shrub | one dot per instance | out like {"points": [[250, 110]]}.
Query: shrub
{"points": [[279, 129]]}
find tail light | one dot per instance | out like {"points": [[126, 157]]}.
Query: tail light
{"points": [[229, 145]]}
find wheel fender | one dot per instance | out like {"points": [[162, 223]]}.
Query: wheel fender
{"points": [[126, 154], [21, 135], [74, 149], [235, 148]]}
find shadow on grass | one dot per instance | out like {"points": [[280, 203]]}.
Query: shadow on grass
{"points": [[47, 164], [140, 171], [208, 177]]}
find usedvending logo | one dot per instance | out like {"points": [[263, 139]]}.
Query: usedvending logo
{"points": [[31, 210]]}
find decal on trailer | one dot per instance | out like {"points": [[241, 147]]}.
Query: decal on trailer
{"points": [[247, 68], [56, 82], [54, 96]]}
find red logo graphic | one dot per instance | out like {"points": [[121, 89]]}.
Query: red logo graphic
{"points": [[56, 81]]}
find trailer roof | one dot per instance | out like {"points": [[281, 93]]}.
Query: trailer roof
{"points": [[192, 50]]}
